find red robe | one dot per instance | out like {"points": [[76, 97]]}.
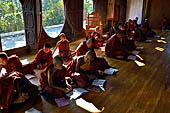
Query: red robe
{"points": [[58, 80], [114, 47], [77, 77], [14, 64], [82, 49], [42, 58], [98, 64], [147, 30], [8, 89], [64, 50], [139, 36]]}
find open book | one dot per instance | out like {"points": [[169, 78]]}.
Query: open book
{"points": [[98, 82], [131, 57], [110, 71], [77, 92]]}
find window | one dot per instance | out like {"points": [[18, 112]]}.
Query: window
{"points": [[88, 8], [53, 16], [11, 25]]}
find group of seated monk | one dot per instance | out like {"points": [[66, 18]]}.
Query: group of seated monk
{"points": [[122, 38], [56, 79]]}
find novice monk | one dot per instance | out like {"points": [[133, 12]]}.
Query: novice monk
{"points": [[84, 47], [146, 29], [115, 47], [97, 65], [129, 44], [43, 58], [96, 40], [138, 35], [64, 48], [54, 79], [113, 29], [16, 89], [13, 63]]}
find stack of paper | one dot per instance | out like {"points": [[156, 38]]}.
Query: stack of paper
{"points": [[110, 71], [62, 102], [140, 48], [131, 57], [77, 92], [32, 110], [99, 83], [135, 52], [88, 106]]}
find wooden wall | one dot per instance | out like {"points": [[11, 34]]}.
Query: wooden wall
{"points": [[158, 9]]}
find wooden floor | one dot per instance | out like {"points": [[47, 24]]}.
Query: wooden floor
{"points": [[134, 90]]}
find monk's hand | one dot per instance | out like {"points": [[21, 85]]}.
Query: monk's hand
{"points": [[69, 86], [100, 72], [67, 90]]}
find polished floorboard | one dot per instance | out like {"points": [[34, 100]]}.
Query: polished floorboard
{"points": [[133, 89]]}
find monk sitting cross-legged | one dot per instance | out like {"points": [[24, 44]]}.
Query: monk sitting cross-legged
{"points": [[13, 63], [54, 79], [86, 68], [64, 48], [43, 58], [97, 65], [16, 89], [115, 47], [84, 47]]}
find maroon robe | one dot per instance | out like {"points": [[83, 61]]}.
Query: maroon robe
{"points": [[82, 49], [114, 47], [42, 58], [8, 89], [64, 50], [58, 79], [97, 42], [14, 64], [99, 63], [147, 30], [112, 31], [138, 35], [77, 77], [129, 44]]}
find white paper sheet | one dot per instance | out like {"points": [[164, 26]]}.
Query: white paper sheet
{"points": [[77, 92], [148, 41], [98, 82], [28, 76], [135, 52], [140, 48], [102, 49], [157, 36], [110, 71], [131, 57], [32, 110], [25, 61], [88, 106]]}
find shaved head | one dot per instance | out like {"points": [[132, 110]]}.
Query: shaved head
{"points": [[89, 43], [58, 60], [90, 56]]}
